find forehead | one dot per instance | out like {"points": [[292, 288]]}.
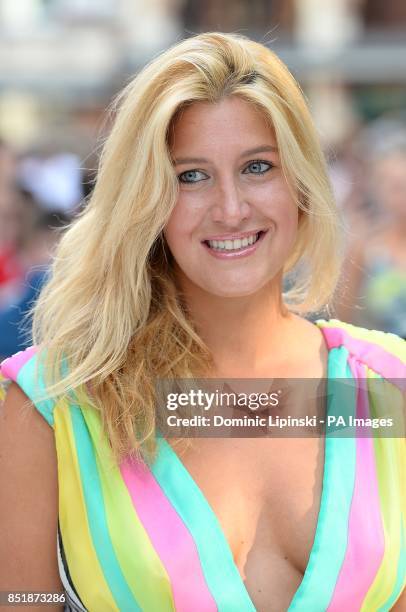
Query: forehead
{"points": [[232, 121]]}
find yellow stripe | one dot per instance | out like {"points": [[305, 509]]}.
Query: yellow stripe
{"points": [[390, 342], [3, 385], [140, 564], [83, 564], [390, 460]]}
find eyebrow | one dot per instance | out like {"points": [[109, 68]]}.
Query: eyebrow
{"points": [[203, 160]]}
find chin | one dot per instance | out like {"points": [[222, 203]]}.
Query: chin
{"points": [[231, 290]]}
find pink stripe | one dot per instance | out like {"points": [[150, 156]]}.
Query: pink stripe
{"points": [[10, 367], [373, 355], [366, 543], [170, 538]]}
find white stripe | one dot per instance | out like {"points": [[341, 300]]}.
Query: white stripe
{"points": [[66, 584]]}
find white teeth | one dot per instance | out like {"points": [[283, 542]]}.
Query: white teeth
{"points": [[232, 245]]}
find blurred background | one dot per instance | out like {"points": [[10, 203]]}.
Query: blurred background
{"points": [[62, 62]]}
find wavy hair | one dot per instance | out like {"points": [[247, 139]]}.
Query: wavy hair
{"points": [[111, 309]]}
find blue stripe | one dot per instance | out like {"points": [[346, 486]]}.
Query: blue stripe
{"points": [[330, 541], [92, 492], [219, 569]]}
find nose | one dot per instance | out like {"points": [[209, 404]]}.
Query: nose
{"points": [[230, 207]]}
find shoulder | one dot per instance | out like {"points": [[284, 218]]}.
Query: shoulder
{"points": [[381, 352], [29, 508], [25, 368]]}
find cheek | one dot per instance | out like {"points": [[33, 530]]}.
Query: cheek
{"points": [[287, 217], [180, 226], [293, 219], [276, 201], [287, 222]]}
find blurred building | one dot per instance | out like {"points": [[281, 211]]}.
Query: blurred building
{"points": [[62, 60]]}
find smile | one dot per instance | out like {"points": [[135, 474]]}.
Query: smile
{"points": [[234, 247], [235, 244]]}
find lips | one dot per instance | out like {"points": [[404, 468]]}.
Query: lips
{"points": [[235, 236], [233, 244], [235, 247]]}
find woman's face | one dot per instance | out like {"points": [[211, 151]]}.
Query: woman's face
{"points": [[235, 221]]}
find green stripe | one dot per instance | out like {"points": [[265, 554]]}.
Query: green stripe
{"points": [[330, 542], [220, 571], [97, 516], [31, 381], [143, 570], [387, 459], [400, 583]]}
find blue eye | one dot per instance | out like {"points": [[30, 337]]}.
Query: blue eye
{"points": [[191, 176], [258, 167]]}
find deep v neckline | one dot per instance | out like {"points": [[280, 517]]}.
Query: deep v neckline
{"points": [[245, 603]]}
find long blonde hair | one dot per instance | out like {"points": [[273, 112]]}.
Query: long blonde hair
{"points": [[111, 309]]}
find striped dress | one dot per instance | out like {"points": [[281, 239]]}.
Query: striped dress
{"points": [[137, 538]]}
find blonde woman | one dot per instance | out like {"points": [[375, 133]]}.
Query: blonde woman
{"points": [[212, 188]]}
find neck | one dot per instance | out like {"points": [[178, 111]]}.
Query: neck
{"points": [[241, 333]]}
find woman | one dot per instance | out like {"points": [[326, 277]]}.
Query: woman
{"points": [[211, 189]]}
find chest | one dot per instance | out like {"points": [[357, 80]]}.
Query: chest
{"points": [[231, 525], [265, 494]]}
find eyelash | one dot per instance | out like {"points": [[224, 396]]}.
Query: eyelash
{"points": [[251, 163], [260, 161]]}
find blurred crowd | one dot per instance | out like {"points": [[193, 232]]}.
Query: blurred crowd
{"points": [[369, 177], [40, 192]]}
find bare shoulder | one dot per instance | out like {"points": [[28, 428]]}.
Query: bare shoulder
{"points": [[309, 348], [400, 605], [29, 490]]}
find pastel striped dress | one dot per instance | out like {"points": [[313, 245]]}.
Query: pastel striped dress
{"points": [[136, 538]]}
